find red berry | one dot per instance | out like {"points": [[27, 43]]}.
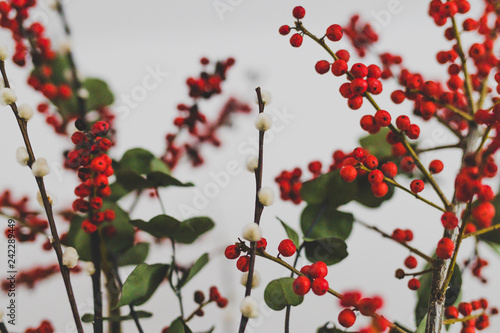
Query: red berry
{"points": [[243, 263], [403, 122], [261, 244], [284, 30], [413, 132], [100, 128], [408, 235], [449, 220], [348, 173], [301, 285], [320, 286], [232, 252], [350, 298], [380, 189], [287, 248], [339, 67], [414, 284], [343, 54], [318, 270], [359, 86], [398, 235], [451, 312], [370, 162], [359, 70], [417, 186], [322, 66], [334, 33], [411, 262], [375, 177], [445, 248], [367, 306], [305, 270], [383, 118], [315, 167], [389, 169], [296, 40], [374, 86], [367, 122], [398, 96], [436, 166], [355, 102], [465, 309], [347, 318], [483, 214], [299, 12]]}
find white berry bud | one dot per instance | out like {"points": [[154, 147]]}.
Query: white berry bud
{"points": [[252, 233], [255, 280], [7, 96], [50, 196], [263, 122], [252, 163], [83, 93], [22, 156], [249, 307], [40, 168], [70, 257], [266, 97], [25, 111], [4, 52], [89, 268], [266, 196]]}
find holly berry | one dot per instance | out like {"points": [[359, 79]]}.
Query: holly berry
{"points": [[414, 284], [243, 263], [355, 102], [383, 118], [389, 169], [296, 40], [301, 285], [339, 67], [398, 96], [398, 235], [347, 318], [284, 30], [232, 252], [403, 122], [334, 33], [449, 220], [436, 166], [318, 270], [287, 248], [322, 67], [451, 312], [380, 189], [367, 306], [465, 309], [411, 262], [299, 12], [348, 173], [375, 177], [359, 70], [445, 248], [483, 214], [417, 186], [320, 286]]}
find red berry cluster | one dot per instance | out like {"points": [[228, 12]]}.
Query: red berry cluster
{"points": [[290, 185], [31, 222], [467, 309], [14, 16], [313, 278], [353, 301], [45, 327], [233, 252], [402, 236], [200, 129], [477, 268], [361, 35], [411, 263], [94, 167]]}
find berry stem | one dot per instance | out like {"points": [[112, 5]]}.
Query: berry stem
{"points": [[386, 235], [446, 124], [450, 107], [454, 145], [95, 249], [482, 231], [395, 183], [56, 243], [201, 306], [258, 210], [461, 320], [419, 273], [401, 135]]}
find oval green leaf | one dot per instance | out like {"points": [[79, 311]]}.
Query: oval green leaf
{"points": [[329, 250], [279, 293]]}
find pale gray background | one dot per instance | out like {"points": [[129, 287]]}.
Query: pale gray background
{"points": [[120, 40]]}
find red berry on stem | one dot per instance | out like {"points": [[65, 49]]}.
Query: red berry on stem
{"points": [[359, 70], [318, 270], [417, 186], [322, 67], [296, 40], [451, 312], [284, 30], [445, 248], [436, 166], [287, 248], [299, 12], [411, 262], [389, 169], [301, 285], [355, 102], [383, 118], [334, 33], [375, 177], [414, 284], [449, 220], [380, 189], [320, 286], [243, 263], [232, 252], [339, 67], [348, 173], [347, 318], [465, 308]]}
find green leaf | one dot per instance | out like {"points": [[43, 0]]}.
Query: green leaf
{"points": [[376, 144], [424, 292], [99, 94], [117, 191], [292, 234], [79, 239], [125, 234], [195, 269], [135, 255], [279, 293], [160, 179], [421, 326], [142, 283], [131, 180], [183, 232], [88, 317], [329, 250], [323, 221], [137, 159], [178, 326]]}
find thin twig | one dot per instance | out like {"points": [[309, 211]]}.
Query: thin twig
{"points": [[482, 231], [56, 243], [257, 213]]}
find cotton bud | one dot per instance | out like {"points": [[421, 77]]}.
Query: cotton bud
{"points": [[255, 280], [70, 257], [40, 168], [252, 163], [22, 156], [65, 46], [7, 96], [266, 97], [263, 122], [4, 52], [50, 196], [266, 196], [83, 93], [25, 111], [249, 307], [252, 233], [89, 268]]}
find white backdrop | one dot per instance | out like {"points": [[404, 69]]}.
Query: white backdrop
{"points": [[120, 41]]}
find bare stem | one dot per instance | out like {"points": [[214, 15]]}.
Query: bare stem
{"points": [[56, 243]]}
